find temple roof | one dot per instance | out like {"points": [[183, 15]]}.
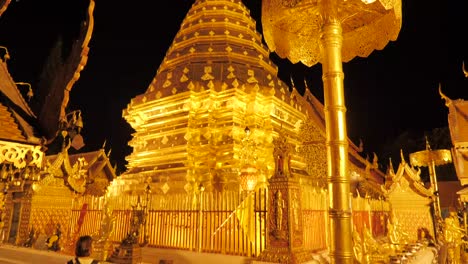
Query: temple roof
{"points": [[405, 177], [87, 173], [458, 126], [59, 76], [51, 97], [16, 118], [217, 44], [457, 119]]}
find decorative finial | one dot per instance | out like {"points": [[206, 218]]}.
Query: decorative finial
{"points": [[402, 156], [6, 56], [292, 82], [30, 93], [390, 166], [464, 70], [428, 146], [361, 146], [375, 160], [448, 101]]}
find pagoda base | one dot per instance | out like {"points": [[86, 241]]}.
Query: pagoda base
{"points": [[284, 257], [102, 250], [128, 254]]}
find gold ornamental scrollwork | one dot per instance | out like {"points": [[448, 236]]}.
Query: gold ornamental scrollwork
{"points": [[21, 155]]}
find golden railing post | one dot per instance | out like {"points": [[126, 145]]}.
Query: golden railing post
{"points": [[200, 220]]}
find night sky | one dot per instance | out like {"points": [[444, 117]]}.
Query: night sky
{"points": [[392, 91]]}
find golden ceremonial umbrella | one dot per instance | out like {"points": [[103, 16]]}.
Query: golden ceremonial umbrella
{"points": [[432, 158], [292, 28], [330, 32]]}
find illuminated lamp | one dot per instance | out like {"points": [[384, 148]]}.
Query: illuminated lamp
{"points": [[248, 177]]}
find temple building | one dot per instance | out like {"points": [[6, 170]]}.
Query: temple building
{"points": [[40, 184], [411, 201], [227, 159], [206, 130], [458, 126], [21, 151]]}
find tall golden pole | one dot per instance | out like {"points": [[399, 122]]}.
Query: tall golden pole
{"points": [[310, 32], [341, 244]]}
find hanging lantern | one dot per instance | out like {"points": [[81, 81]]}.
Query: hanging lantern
{"points": [[248, 177]]}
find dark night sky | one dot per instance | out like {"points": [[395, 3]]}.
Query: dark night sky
{"points": [[392, 91]]}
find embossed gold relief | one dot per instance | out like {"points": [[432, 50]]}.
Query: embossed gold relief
{"points": [[20, 165], [313, 151]]}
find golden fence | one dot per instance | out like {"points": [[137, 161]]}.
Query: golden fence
{"points": [[231, 223], [212, 222]]}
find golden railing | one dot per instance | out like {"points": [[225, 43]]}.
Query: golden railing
{"points": [[314, 210], [180, 221], [212, 222]]}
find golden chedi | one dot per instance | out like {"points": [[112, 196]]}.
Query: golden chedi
{"points": [[216, 80]]}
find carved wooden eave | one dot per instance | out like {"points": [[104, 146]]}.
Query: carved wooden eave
{"points": [[54, 89], [458, 126], [84, 173]]}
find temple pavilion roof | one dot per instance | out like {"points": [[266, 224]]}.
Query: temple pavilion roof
{"points": [[405, 177]]}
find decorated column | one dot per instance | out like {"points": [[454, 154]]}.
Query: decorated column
{"points": [[285, 232]]}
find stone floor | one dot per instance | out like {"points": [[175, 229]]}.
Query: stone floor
{"points": [[19, 255]]}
